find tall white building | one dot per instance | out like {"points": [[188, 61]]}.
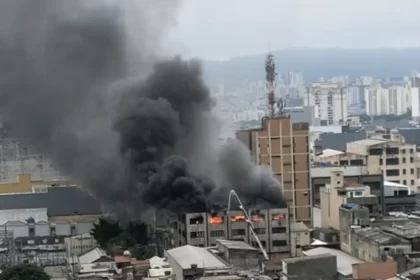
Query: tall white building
{"points": [[330, 102], [415, 99], [392, 100]]}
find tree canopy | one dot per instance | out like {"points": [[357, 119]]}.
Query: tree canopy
{"points": [[115, 239], [24, 272]]}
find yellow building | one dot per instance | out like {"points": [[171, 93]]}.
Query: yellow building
{"points": [[24, 184]]}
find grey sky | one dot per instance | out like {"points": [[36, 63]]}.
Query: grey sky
{"points": [[219, 29]]}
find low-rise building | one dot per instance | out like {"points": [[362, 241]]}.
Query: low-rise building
{"points": [[322, 266], [191, 262], [344, 261], [379, 270], [300, 238], [375, 245], [340, 192], [321, 176], [240, 255]]}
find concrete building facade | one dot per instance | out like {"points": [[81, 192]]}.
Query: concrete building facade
{"points": [[203, 229], [284, 146], [330, 102], [310, 267]]}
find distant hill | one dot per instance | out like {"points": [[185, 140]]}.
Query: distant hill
{"points": [[316, 63]]}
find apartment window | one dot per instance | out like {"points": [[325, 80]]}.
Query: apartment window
{"points": [[404, 182], [279, 243], [392, 151], [255, 244], [238, 232], [375, 152], [404, 160], [412, 182], [356, 162], [411, 151], [411, 159], [358, 193], [404, 172], [392, 161], [393, 172], [412, 170], [403, 151], [197, 234], [260, 231], [217, 233], [197, 220], [278, 230]]}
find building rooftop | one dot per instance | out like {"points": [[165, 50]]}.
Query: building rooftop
{"points": [[408, 230], [330, 153], [344, 261], [92, 256], [307, 258], [298, 227], [239, 245], [369, 142], [376, 235], [188, 255], [338, 141], [349, 184], [59, 201]]}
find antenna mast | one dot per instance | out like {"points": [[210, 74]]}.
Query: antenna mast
{"points": [[270, 78]]}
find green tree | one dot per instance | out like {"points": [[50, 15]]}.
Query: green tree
{"points": [[104, 231], [24, 272]]}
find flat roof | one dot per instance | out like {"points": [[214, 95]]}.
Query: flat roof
{"points": [[188, 255], [330, 153], [368, 142], [344, 261], [239, 245]]}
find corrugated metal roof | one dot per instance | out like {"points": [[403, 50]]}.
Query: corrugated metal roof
{"points": [[92, 256], [231, 244], [59, 201], [338, 141], [344, 261], [188, 255], [378, 236]]}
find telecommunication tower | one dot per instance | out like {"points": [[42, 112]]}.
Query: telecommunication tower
{"points": [[270, 79]]}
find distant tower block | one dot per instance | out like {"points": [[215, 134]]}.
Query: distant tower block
{"points": [[270, 78]]}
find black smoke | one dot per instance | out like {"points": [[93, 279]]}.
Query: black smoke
{"points": [[83, 84]]}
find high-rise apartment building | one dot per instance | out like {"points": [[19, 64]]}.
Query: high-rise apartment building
{"points": [[330, 102], [415, 98], [388, 100], [284, 146]]}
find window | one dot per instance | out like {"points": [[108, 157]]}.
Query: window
{"points": [[392, 161], [217, 233], [196, 220], [412, 170], [260, 231], [31, 232], [279, 243], [404, 172], [404, 160], [404, 182], [197, 234], [403, 151], [238, 232], [411, 151], [358, 193], [278, 230], [412, 182], [255, 244], [392, 172], [411, 159]]}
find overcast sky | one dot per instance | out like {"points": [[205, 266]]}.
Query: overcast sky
{"points": [[220, 29]]}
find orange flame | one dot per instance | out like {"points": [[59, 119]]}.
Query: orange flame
{"points": [[216, 220], [278, 217], [238, 218], [257, 218]]}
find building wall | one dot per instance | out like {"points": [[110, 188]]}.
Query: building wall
{"points": [[79, 245], [379, 270], [299, 238], [21, 229], [284, 146], [311, 267], [24, 183]]}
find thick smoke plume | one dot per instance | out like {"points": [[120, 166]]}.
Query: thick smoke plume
{"points": [[81, 81]]}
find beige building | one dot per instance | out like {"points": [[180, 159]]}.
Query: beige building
{"points": [[388, 153], [284, 146], [340, 192], [79, 244], [397, 160]]}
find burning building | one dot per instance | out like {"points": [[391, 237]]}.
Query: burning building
{"points": [[203, 229]]}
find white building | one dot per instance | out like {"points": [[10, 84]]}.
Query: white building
{"points": [[415, 99], [330, 101], [392, 100]]}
